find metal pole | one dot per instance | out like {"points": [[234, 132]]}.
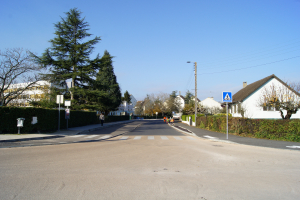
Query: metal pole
{"points": [[59, 114], [67, 118], [196, 100], [227, 120]]}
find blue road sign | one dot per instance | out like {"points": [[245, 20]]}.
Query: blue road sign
{"points": [[227, 97]]}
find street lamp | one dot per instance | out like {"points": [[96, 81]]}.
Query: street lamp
{"points": [[196, 100]]}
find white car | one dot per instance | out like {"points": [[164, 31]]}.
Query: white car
{"points": [[176, 116]]}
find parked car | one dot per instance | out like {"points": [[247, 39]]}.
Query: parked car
{"points": [[176, 116]]}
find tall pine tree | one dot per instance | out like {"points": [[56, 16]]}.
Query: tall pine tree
{"points": [[68, 58], [106, 85]]}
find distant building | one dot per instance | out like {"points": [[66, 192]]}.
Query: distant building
{"points": [[125, 108], [211, 106], [181, 102], [37, 92]]}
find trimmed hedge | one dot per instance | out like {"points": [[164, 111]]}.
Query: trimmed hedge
{"points": [[47, 119], [287, 130], [186, 117]]}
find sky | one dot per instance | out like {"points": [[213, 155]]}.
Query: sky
{"points": [[232, 41]]}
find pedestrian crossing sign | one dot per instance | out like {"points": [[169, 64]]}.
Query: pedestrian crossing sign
{"points": [[227, 97]]}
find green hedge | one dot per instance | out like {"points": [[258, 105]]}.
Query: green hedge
{"points": [[288, 130], [47, 119], [186, 117]]}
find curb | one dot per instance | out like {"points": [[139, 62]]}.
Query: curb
{"points": [[36, 138], [187, 131]]}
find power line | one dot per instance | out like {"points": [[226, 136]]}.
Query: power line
{"points": [[189, 80], [255, 53], [252, 66], [238, 63]]}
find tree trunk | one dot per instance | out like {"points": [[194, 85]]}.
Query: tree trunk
{"points": [[73, 85], [288, 114]]}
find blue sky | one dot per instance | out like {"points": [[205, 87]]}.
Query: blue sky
{"points": [[232, 41]]}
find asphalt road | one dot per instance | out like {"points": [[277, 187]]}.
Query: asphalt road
{"points": [[153, 161]]}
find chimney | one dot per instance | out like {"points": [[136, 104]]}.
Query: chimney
{"points": [[179, 93], [244, 84]]}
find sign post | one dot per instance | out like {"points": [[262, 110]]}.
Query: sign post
{"points": [[59, 100], [67, 111], [227, 97]]}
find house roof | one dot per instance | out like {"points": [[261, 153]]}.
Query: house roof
{"points": [[249, 89], [180, 96]]}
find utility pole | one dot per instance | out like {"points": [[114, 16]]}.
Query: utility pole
{"points": [[196, 100]]}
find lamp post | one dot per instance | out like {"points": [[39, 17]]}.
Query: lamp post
{"points": [[196, 100]]}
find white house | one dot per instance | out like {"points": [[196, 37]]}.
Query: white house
{"points": [[125, 107], [248, 99], [36, 92], [211, 105], [180, 102]]}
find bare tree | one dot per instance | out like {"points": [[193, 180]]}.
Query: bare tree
{"points": [[16, 66], [284, 99]]}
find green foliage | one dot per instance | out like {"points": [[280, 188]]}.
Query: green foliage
{"points": [[223, 114], [108, 92], [127, 97], [288, 130], [44, 103], [188, 98], [172, 104], [188, 109], [47, 119], [68, 58]]}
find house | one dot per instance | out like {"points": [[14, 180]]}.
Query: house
{"points": [[36, 92], [248, 100], [180, 101], [125, 108], [211, 105]]}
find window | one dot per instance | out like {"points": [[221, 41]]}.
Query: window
{"points": [[270, 108], [265, 108]]}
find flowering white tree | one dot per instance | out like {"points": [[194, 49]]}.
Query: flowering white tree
{"points": [[284, 98]]}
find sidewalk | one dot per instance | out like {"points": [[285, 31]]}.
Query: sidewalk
{"points": [[58, 134]]}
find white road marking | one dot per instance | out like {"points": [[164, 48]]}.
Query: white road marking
{"points": [[293, 147], [123, 138], [77, 135], [105, 137], [210, 137], [137, 137], [164, 137], [63, 142], [177, 138], [92, 136], [150, 137], [190, 137]]}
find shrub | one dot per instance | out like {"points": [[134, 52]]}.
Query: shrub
{"points": [[261, 128]]}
